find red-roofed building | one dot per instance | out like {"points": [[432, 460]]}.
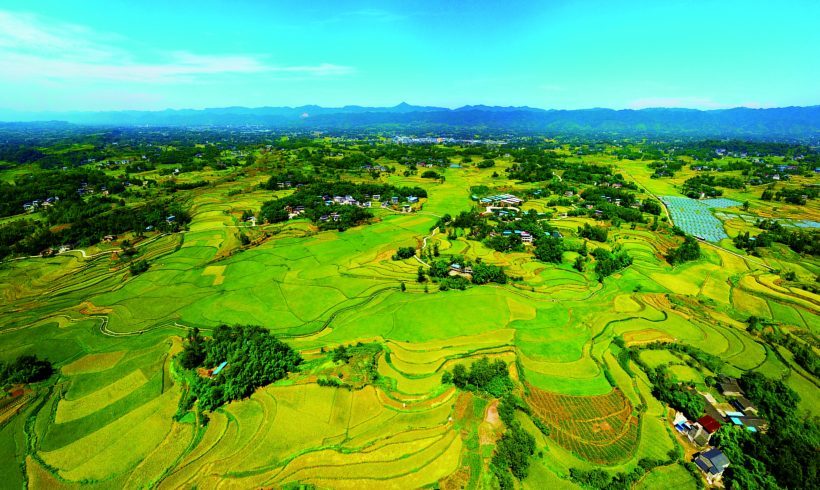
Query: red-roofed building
{"points": [[709, 424]]}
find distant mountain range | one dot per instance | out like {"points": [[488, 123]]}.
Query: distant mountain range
{"points": [[787, 122]]}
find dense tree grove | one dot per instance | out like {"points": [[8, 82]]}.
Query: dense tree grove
{"points": [[800, 240], [254, 358], [194, 353], [799, 196], [688, 250], [707, 185], [486, 376], [549, 249], [25, 369], [516, 446], [608, 263], [404, 253], [138, 267], [486, 273], [597, 233]]}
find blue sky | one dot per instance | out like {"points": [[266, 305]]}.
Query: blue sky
{"points": [[112, 54]]}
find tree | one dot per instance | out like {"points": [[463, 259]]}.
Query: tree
{"points": [[25, 369], [513, 451], [138, 267], [404, 253], [688, 250], [597, 233], [549, 249], [460, 377], [420, 277], [403, 287], [579, 264], [193, 354], [340, 354]]}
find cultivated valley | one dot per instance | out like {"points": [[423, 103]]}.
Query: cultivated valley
{"points": [[436, 308]]}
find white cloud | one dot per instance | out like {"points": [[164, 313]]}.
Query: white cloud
{"points": [[34, 49]]}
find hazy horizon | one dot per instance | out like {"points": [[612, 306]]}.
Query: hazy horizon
{"points": [[103, 56], [4, 111]]}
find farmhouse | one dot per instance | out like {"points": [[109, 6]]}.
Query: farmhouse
{"points": [[730, 387], [744, 405], [219, 368], [712, 463], [697, 434], [709, 424], [502, 200]]}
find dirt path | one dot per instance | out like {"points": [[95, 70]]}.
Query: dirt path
{"points": [[423, 246]]}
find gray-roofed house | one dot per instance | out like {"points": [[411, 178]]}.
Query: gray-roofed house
{"points": [[698, 435], [744, 405], [712, 462], [730, 387]]}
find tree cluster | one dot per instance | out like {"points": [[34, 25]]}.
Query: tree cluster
{"points": [[607, 263], [404, 253], [799, 240], [254, 358], [25, 369], [485, 376], [513, 450], [596, 233], [688, 250]]}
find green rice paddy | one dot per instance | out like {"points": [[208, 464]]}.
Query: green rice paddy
{"points": [[108, 420]]}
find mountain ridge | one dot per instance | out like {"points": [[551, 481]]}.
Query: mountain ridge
{"points": [[793, 122]]}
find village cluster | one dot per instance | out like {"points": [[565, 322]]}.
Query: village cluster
{"points": [[735, 409]]}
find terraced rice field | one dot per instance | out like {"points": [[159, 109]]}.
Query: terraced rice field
{"points": [[108, 419], [600, 429]]}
